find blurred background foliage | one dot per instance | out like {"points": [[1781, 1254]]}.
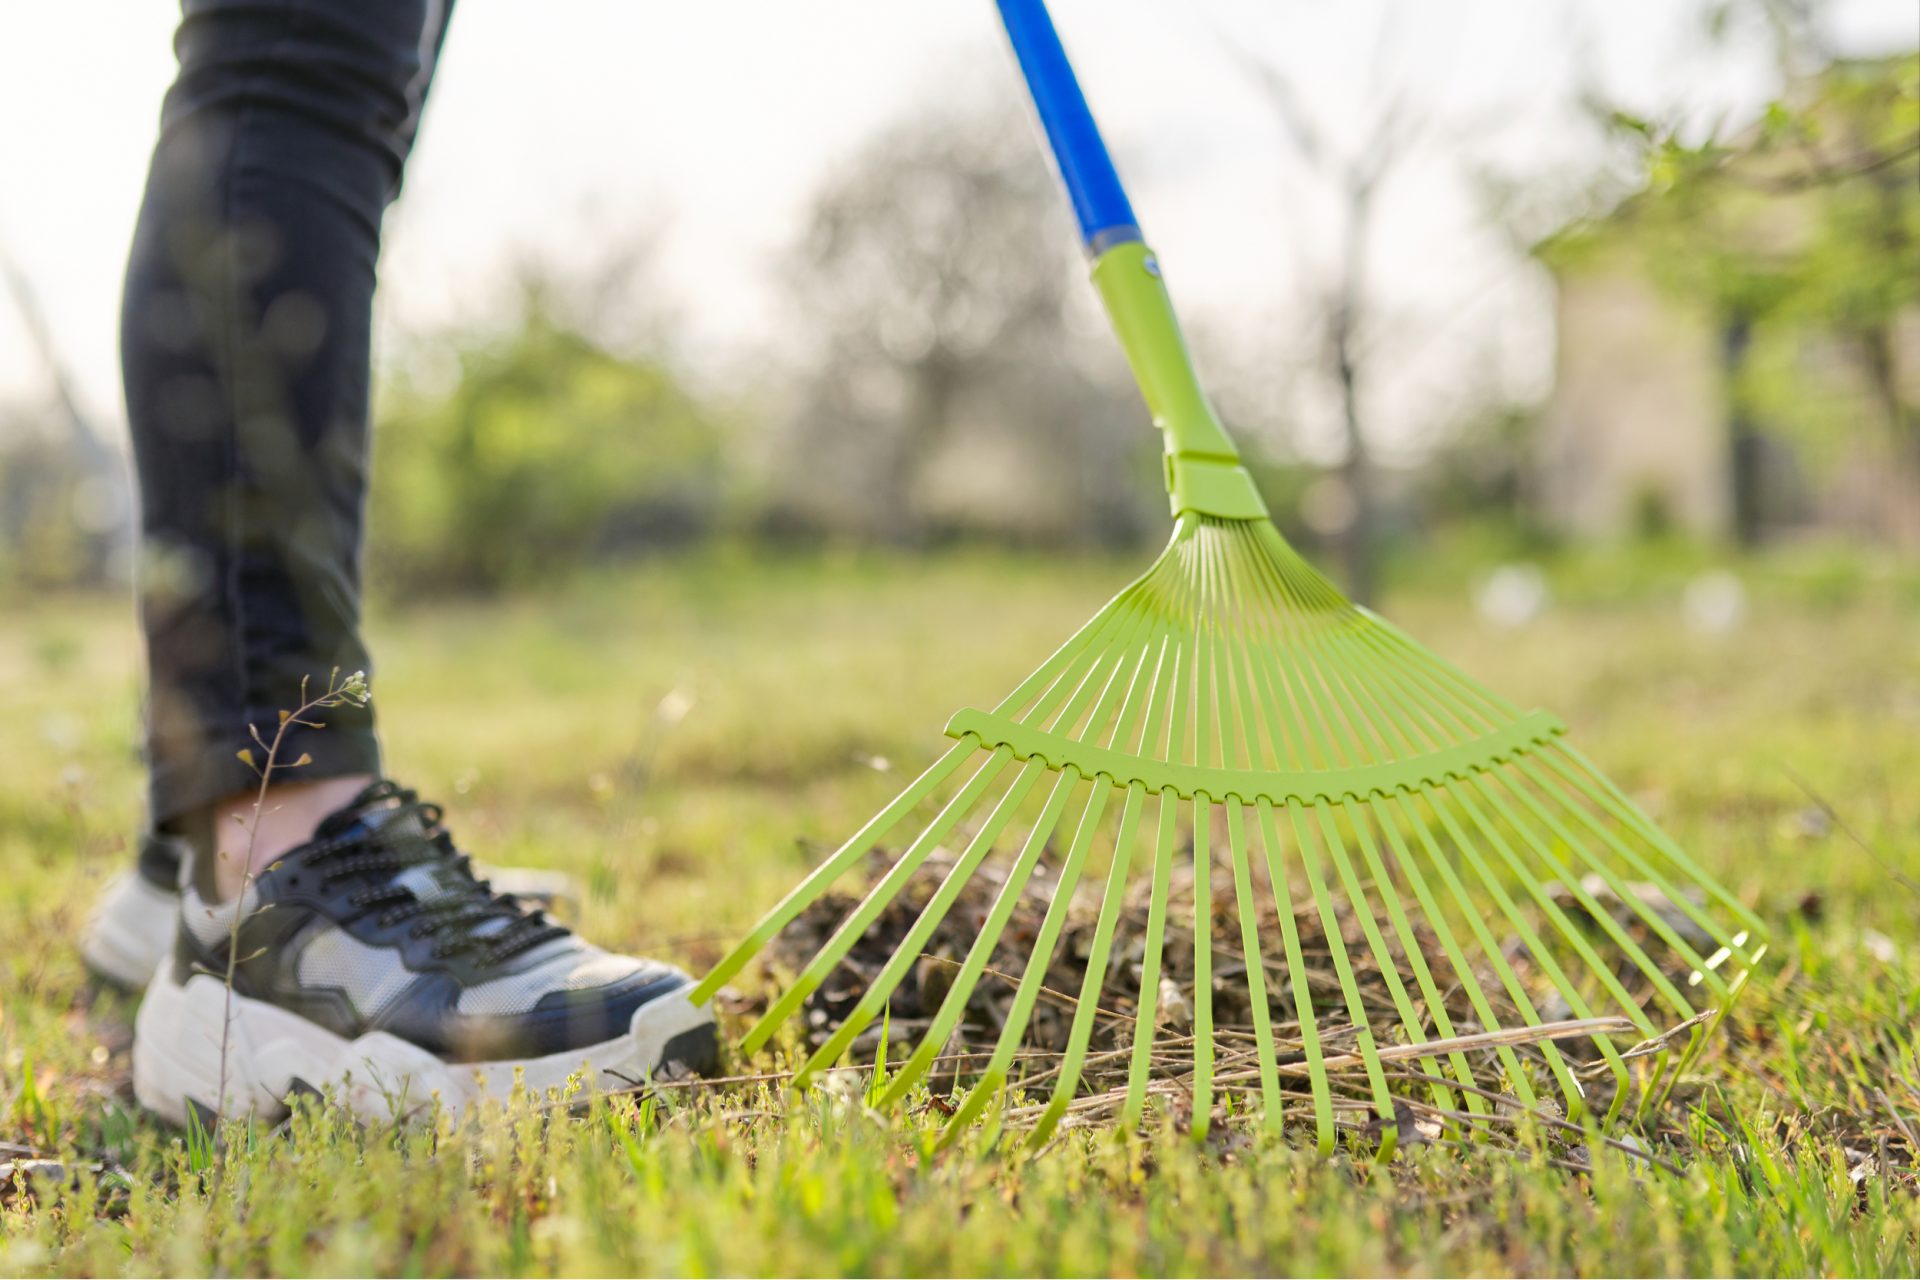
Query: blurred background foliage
{"points": [[1738, 368], [546, 447], [1795, 244]]}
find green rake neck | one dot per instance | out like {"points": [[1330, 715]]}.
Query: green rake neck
{"points": [[1203, 470]]}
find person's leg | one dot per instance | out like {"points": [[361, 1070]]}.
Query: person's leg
{"points": [[245, 345], [363, 954]]}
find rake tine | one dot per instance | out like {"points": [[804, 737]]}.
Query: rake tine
{"points": [[1456, 957], [1256, 966], [1336, 714], [1134, 1107], [1490, 948], [1644, 910], [1392, 639], [1087, 684], [1603, 789], [1088, 1006], [1575, 1095], [1242, 741], [1371, 926], [1427, 683], [1122, 728], [1175, 747], [876, 900], [1288, 727], [1041, 690], [954, 1006], [1646, 914], [1149, 733], [1601, 916], [1286, 730], [1356, 1007], [1553, 912], [1116, 621], [821, 879], [1560, 759], [1044, 675], [1132, 656], [1331, 655], [1574, 939], [1343, 865], [1206, 749], [1303, 693], [1410, 946], [1644, 963], [1237, 746], [1297, 973], [908, 952], [1202, 967], [1411, 712], [994, 1078]]}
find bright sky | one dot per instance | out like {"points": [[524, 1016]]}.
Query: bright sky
{"points": [[553, 120]]}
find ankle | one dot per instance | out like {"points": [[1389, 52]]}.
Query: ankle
{"points": [[249, 833]]}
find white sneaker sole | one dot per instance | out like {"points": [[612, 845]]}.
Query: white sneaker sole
{"points": [[130, 931], [272, 1054]]}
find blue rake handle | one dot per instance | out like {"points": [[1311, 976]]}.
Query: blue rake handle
{"points": [[1099, 201], [1203, 470]]}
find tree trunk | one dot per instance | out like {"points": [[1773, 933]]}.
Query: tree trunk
{"points": [[1899, 491], [901, 523], [1359, 542], [1743, 437]]}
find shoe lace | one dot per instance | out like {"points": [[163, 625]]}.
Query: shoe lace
{"points": [[467, 914]]}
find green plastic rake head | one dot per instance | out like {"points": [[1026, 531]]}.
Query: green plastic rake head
{"points": [[1230, 716]]}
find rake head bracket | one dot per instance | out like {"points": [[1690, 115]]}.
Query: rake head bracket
{"points": [[1188, 781]]}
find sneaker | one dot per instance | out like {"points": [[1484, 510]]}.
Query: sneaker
{"points": [[374, 964], [133, 924]]}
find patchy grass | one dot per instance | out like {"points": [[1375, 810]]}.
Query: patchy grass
{"points": [[689, 738]]}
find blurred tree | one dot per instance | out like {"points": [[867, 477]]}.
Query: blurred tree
{"points": [[951, 377], [65, 513], [1341, 292], [1478, 473], [548, 448], [1799, 232]]}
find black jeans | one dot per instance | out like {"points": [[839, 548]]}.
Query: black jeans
{"points": [[245, 345]]}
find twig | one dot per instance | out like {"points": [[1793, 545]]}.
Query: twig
{"points": [[352, 690], [1658, 1044], [1060, 998], [1547, 1118], [1913, 1144]]}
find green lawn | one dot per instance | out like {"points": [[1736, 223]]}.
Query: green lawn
{"points": [[688, 739]]}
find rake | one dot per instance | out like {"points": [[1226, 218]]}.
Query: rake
{"points": [[1375, 802]]}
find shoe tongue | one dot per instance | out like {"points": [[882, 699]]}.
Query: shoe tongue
{"points": [[401, 832], [426, 872], [371, 810], [428, 875]]}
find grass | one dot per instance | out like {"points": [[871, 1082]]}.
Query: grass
{"points": [[688, 738]]}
